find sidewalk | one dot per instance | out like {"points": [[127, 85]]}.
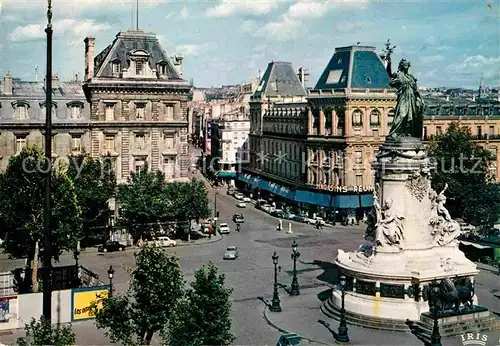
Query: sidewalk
{"points": [[301, 315]]}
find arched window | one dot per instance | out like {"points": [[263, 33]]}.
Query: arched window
{"points": [[375, 117], [390, 116], [357, 117]]}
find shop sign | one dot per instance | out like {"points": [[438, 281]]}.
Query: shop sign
{"points": [[83, 299], [344, 188]]}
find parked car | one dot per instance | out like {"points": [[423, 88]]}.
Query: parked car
{"points": [[239, 196], [247, 199], [300, 218], [206, 227], [266, 208], [224, 228], [230, 191], [238, 218], [231, 253], [111, 246], [166, 241], [313, 221], [278, 213], [241, 205], [289, 216], [259, 203]]}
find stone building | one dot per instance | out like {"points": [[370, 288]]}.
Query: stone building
{"points": [[138, 105], [22, 117]]}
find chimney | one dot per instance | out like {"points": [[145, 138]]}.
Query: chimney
{"points": [[447, 98], [55, 82], [178, 63], [89, 57], [7, 84], [302, 76], [473, 97]]}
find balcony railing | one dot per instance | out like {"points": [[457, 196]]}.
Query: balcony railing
{"points": [[482, 137]]}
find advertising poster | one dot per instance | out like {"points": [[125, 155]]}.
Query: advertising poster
{"points": [[82, 300]]}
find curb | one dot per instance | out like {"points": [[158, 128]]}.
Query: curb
{"points": [[265, 312], [219, 238], [487, 267]]}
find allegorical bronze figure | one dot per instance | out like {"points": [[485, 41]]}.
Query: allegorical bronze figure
{"points": [[409, 114]]}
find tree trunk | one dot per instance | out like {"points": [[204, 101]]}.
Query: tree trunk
{"points": [[34, 273], [189, 231], [149, 337]]}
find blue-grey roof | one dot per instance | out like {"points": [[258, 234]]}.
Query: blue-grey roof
{"points": [[280, 79], [354, 67], [127, 42], [30, 89]]}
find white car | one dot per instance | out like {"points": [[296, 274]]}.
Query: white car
{"points": [[231, 253], [239, 196], [246, 199], [224, 228], [241, 205], [313, 221], [166, 241], [266, 208]]}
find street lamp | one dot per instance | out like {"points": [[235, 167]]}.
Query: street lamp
{"points": [[295, 283], [111, 272], [275, 303], [76, 254], [433, 307], [342, 337], [216, 214]]}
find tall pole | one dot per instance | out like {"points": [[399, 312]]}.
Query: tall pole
{"points": [[137, 15], [294, 291], [275, 302], [47, 256], [342, 337]]}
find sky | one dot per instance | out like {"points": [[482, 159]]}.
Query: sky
{"points": [[449, 43]]}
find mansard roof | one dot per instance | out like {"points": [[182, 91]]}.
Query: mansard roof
{"points": [[354, 67], [280, 79], [129, 42], [33, 89]]}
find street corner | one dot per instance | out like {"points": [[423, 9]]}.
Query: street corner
{"points": [[214, 239]]}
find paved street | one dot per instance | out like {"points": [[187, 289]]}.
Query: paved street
{"points": [[251, 275]]}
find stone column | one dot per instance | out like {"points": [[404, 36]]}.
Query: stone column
{"points": [[310, 122], [321, 130], [354, 284], [377, 292], [347, 122], [334, 123]]}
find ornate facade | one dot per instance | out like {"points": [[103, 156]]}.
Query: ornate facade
{"points": [[138, 105]]}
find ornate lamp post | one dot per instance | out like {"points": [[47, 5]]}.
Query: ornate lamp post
{"points": [[433, 308], [342, 337], [295, 283], [111, 272], [76, 255], [47, 254], [275, 303]]}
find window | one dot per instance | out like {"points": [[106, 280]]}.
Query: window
{"points": [[139, 165], [110, 112], [169, 142], [53, 110], [116, 68], [439, 130], [326, 177], [424, 132], [76, 143], [109, 143], [357, 118], [20, 143], [53, 143], [140, 142], [358, 156], [390, 116], [359, 180], [169, 167], [75, 112], [169, 112], [139, 67], [491, 131], [374, 117], [479, 131], [162, 69], [139, 111], [21, 112]]}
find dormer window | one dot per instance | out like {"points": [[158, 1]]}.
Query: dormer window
{"points": [[139, 68], [53, 109], [75, 109], [20, 109], [116, 68], [162, 68]]}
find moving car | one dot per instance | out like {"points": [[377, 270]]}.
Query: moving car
{"points": [[313, 221], [111, 246], [238, 218], [224, 228], [241, 205], [231, 253], [166, 241]]}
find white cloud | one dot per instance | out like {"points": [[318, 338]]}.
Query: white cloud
{"points": [[347, 27], [191, 49], [227, 8], [285, 29], [249, 26], [67, 27], [475, 66], [431, 59], [184, 13], [315, 9]]}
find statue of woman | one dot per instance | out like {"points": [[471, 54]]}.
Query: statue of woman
{"points": [[409, 113], [390, 226]]}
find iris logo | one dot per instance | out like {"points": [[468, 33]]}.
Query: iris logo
{"points": [[478, 339]]}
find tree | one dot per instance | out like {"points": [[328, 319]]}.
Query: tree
{"points": [[95, 183], [42, 333], [157, 284], [465, 167], [143, 201], [204, 316], [22, 191]]}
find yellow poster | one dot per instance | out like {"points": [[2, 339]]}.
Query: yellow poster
{"points": [[82, 301]]}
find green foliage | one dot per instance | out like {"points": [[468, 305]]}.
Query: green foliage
{"points": [[95, 183], [204, 316], [464, 166], [157, 284], [190, 200], [42, 333], [22, 191]]}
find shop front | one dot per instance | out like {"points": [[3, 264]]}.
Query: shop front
{"points": [[226, 177], [333, 206]]}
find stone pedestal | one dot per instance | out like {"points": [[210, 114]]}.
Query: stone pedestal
{"points": [[409, 242]]}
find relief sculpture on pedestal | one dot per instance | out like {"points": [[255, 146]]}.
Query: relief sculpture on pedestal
{"points": [[443, 227], [389, 228]]}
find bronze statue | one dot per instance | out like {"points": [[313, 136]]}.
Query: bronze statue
{"points": [[409, 113]]}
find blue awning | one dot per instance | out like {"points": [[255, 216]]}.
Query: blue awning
{"points": [[286, 192], [366, 201], [315, 198], [226, 174], [347, 201], [244, 178], [255, 181]]}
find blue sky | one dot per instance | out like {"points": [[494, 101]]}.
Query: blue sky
{"points": [[449, 43]]}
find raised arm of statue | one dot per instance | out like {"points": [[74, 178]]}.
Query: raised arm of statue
{"points": [[444, 189]]}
